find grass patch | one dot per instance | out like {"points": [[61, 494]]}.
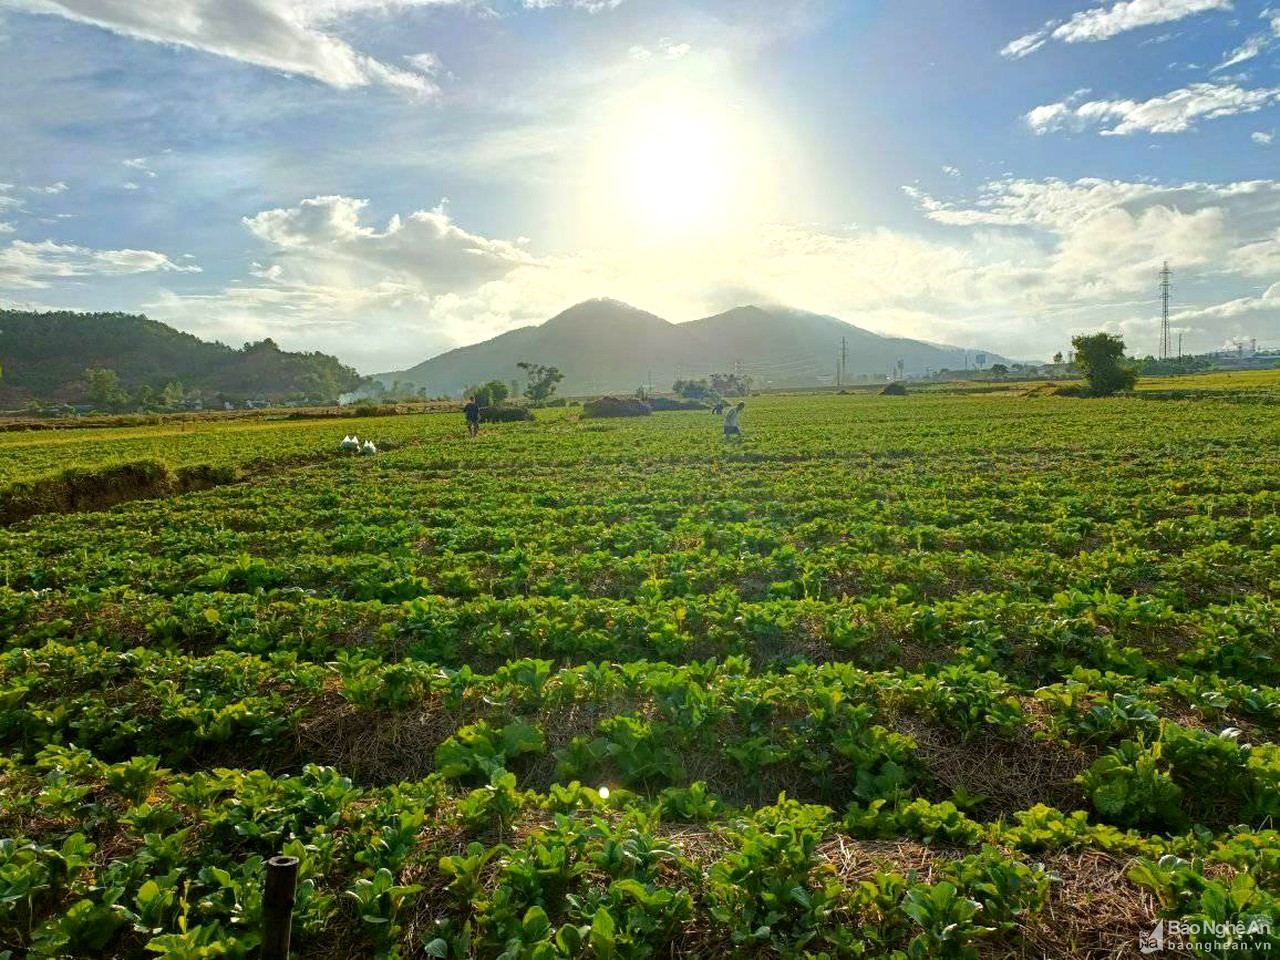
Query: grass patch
{"points": [[77, 490]]}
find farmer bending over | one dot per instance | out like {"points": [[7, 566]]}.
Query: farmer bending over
{"points": [[731, 428]]}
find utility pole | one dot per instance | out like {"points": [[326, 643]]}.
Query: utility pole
{"points": [[1166, 289], [1179, 344], [844, 359]]}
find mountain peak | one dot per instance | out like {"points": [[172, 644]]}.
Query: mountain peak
{"points": [[750, 311], [604, 312]]}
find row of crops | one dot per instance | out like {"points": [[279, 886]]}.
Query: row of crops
{"points": [[939, 677]]}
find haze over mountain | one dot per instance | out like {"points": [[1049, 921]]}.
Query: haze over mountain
{"points": [[45, 355], [605, 346]]}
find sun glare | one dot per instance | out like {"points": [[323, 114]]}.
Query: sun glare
{"points": [[671, 164], [675, 170]]}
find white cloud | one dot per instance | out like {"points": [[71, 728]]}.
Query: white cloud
{"points": [[1104, 22], [24, 264], [1262, 138], [1174, 112], [277, 34], [591, 6], [51, 188], [1025, 45], [669, 50], [324, 236], [427, 64], [1029, 263], [7, 227], [141, 164], [1255, 45], [1268, 302]]}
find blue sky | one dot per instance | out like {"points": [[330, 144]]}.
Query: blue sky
{"points": [[385, 179]]}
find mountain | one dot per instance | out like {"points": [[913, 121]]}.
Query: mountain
{"points": [[45, 355], [604, 346], [599, 344]]}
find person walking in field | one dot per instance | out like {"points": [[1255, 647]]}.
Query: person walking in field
{"points": [[731, 428], [472, 412]]}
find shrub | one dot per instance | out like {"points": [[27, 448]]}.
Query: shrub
{"points": [[894, 390], [504, 414], [615, 407], [666, 404]]}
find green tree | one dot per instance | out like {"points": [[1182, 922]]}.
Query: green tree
{"points": [[105, 389], [490, 394], [730, 384], [542, 380], [692, 389], [1057, 358], [999, 370], [172, 395], [146, 398], [1100, 358]]}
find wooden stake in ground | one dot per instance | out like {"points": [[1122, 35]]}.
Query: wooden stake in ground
{"points": [[277, 907]]}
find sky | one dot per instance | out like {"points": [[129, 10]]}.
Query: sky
{"points": [[388, 179]]}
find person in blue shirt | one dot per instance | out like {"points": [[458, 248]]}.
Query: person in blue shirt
{"points": [[472, 412]]}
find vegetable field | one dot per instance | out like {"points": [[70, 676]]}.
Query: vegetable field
{"points": [[935, 676]]}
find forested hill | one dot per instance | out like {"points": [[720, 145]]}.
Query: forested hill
{"points": [[44, 356]]}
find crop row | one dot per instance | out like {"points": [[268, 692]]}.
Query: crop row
{"points": [[174, 862], [831, 733], [1031, 643]]}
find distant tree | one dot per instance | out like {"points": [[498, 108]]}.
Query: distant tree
{"points": [[1057, 358], [1173, 366], [146, 398], [731, 384], [999, 370], [1100, 358], [692, 389], [489, 394], [105, 390], [172, 395], [542, 380]]}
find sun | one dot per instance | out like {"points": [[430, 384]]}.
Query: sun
{"points": [[676, 169], [667, 163]]}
